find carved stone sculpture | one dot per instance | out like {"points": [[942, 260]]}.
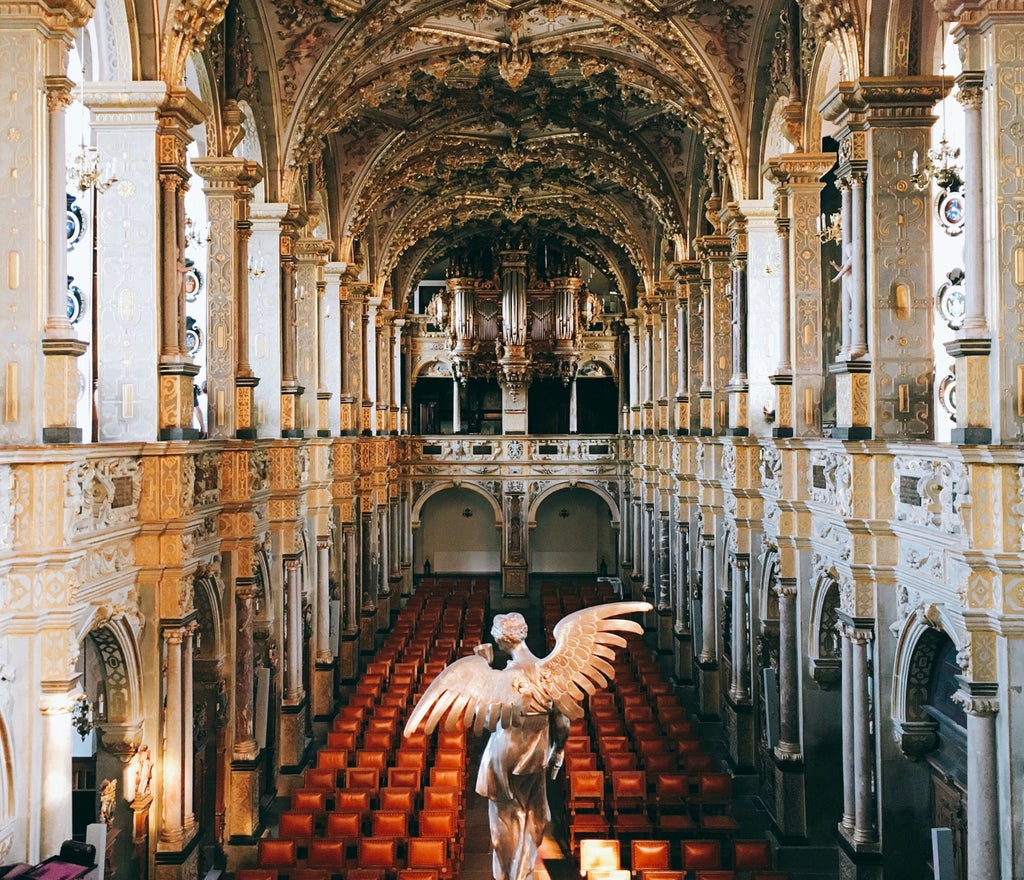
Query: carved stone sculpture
{"points": [[527, 706]]}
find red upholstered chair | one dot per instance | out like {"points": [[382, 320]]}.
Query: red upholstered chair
{"points": [[649, 855], [390, 824], [309, 800], [431, 854], [256, 874], [345, 826], [663, 875], [273, 852], [671, 808], [608, 874], [332, 759], [295, 826], [341, 740], [417, 874], [587, 825], [379, 740], [615, 762], [576, 763], [362, 779], [441, 823], [355, 800], [701, 854], [714, 801], [322, 779], [327, 852], [400, 799], [446, 777], [404, 777], [586, 792], [716, 875], [381, 853], [629, 792], [751, 855]]}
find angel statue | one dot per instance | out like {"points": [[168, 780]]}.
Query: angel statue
{"points": [[527, 706]]}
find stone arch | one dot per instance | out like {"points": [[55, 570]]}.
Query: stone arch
{"points": [[8, 789], [572, 484], [924, 632], [598, 367], [823, 648], [436, 488], [114, 41], [437, 368], [209, 592]]}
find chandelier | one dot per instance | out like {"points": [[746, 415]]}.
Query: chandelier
{"points": [[941, 165], [85, 171], [830, 227]]}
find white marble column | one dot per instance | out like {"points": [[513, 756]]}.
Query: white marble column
{"points": [[172, 830], [858, 292], [370, 398], [332, 346], [396, 375], [864, 830], [293, 585], [739, 688], [847, 824], [188, 726], [55, 746], [709, 620], [323, 599], [980, 702], [127, 297], [634, 375], [573, 408], [265, 325], [351, 579], [788, 746], [456, 408]]}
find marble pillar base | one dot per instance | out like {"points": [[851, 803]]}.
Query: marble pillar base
{"points": [[242, 822], [348, 658], [738, 727], [708, 690], [683, 670], [790, 809], [666, 634], [323, 698], [292, 743], [178, 866], [707, 415], [383, 616], [368, 632], [858, 865], [853, 400]]}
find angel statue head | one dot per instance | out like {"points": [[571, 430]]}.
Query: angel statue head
{"points": [[508, 629]]}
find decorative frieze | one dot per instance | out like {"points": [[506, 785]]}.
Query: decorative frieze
{"points": [[830, 479], [100, 494], [931, 492]]}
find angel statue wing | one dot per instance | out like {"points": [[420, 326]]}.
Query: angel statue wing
{"points": [[471, 693]]}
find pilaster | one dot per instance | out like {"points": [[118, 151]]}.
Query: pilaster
{"points": [[798, 381], [311, 255], [127, 296], [291, 389], [265, 317], [229, 376], [715, 252]]}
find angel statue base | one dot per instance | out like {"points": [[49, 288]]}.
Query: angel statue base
{"points": [[527, 706]]}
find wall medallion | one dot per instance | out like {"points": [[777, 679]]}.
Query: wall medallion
{"points": [[951, 299], [951, 207], [193, 280]]}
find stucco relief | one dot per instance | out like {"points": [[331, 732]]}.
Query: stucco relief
{"points": [[931, 493], [830, 479], [101, 493]]}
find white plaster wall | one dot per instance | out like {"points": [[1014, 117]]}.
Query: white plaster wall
{"points": [[454, 542], [575, 542]]}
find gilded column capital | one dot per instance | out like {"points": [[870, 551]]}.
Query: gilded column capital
{"points": [[59, 93], [174, 635]]}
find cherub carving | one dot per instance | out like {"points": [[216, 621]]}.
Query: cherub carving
{"points": [[528, 706]]}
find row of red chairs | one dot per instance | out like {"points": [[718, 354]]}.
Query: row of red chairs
{"points": [[364, 811], [649, 856]]}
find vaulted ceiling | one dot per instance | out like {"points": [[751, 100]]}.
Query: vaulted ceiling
{"points": [[430, 123]]}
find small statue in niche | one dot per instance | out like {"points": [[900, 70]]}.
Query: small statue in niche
{"points": [[108, 800]]}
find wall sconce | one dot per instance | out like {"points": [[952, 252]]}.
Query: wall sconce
{"points": [[196, 234], [257, 266], [830, 228], [564, 513], [81, 716], [467, 512]]}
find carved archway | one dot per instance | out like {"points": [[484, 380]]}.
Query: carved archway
{"points": [[435, 488], [921, 635], [824, 648], [8, 789]]}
